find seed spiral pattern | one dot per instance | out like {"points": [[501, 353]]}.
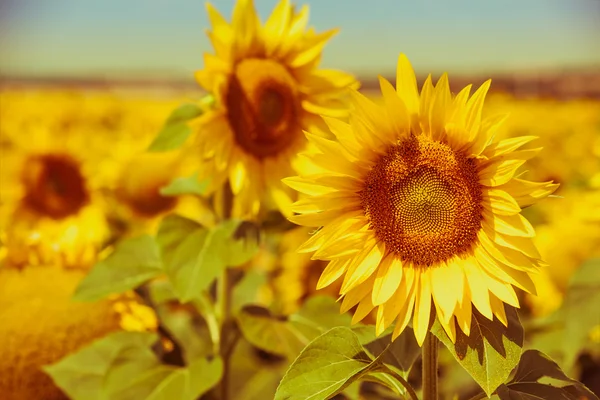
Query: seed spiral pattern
{"points": [[423, 200]]}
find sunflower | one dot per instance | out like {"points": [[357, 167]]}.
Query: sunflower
{"points": [[41, 325], [267, 89], [138, 189], [53, 212], [419, 208]]}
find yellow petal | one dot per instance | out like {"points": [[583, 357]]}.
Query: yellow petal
{"points": [[332, 272], [500, 202], [446, 285], [396, 110], [464, 314], [512, 225], [506, 146], [406, 85], [422, 306], [237, 174], [404, 315], [357, 294], [449, 326], [440, 108], [387, 280], [478, 288], [475, 107], [364, 308], [390, 310], [498, 172], [499, 310], [527, 193], [278, 21], [364, 265], [307, 186]]}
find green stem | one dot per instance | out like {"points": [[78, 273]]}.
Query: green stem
{"points": [[429, 361], [224, 301]]}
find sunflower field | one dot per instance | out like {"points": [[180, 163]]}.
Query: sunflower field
{"points": [[281, 232]]}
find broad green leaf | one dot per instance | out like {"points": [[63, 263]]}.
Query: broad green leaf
{"points": [[185, 185], [161, 291], [195, 256], [243, 240], [322, 313], [189, 383], [175, 131], [247, 291], [401, 353], [526, 384], [185, 246], [172, 231], [325, 367], [133, 262], [269, 333], [83, 375], [122, 366], [491, 351]]}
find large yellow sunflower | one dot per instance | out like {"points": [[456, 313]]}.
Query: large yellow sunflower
{"points": [[418, 205], [267, 89]]}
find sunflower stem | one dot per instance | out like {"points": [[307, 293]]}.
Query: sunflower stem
{"points": [[430, 361], [224, 301]]}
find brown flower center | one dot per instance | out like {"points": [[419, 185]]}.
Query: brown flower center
{"points": [[262, 103], [54, 185], [424, 201]]}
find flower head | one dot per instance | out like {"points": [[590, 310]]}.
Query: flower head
{"points": [[267, 89], [419, 208]]}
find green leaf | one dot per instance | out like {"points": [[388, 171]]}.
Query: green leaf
{"points": [[247, 291], [243, 238], [269, 333], [186, 185], [401, 353], [321, 313], [185, 245], [195, 256], [175, 131], [161, 291], [133, 262], [122, 366], [325, 367], [526, 384], [491, 351], [189, 383], [83, 375]]}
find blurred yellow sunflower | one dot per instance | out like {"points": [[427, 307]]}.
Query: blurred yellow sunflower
{"points": [[418, 205], [267, 89], [139, 187], [41, 325], [49, 205]]}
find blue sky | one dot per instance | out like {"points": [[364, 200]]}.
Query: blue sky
{"points": [[106, 37]]}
